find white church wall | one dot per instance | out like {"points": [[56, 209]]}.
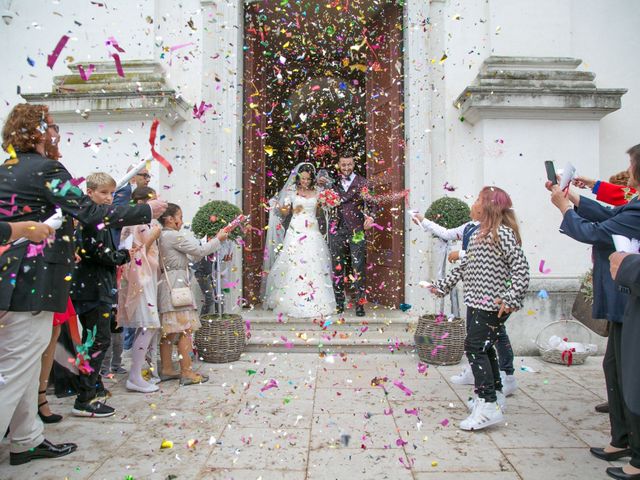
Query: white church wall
{"points": [[609, 49]]}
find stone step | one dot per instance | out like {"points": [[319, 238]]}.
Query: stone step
{"points": [[378, 331]]}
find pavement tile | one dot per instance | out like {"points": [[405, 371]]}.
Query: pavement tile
{"points": [[532, 431], [350, 464], [565, 463]]}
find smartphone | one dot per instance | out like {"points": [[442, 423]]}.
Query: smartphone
{"points": [[551, 172]]}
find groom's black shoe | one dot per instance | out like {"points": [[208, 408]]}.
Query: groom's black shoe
{"points": [[340, 308], [360, 310]]}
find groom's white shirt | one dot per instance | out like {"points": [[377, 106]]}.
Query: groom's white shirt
{"points": [[346, 182]]}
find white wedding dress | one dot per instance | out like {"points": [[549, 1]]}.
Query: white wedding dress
{"points": [[299, 284]]}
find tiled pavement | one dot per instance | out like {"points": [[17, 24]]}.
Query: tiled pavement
{"points": [[325, 420]]}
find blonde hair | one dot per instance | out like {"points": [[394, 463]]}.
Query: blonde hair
{"points": [[496, 210], [100, 179]]}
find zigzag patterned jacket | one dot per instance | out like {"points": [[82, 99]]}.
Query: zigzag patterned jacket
{"points": [[491, 271]]}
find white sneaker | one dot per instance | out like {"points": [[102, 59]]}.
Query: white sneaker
{"points": [[509, 384], [155, 380], [502, 401], [483, 415], [465, 377], [137, 388]]}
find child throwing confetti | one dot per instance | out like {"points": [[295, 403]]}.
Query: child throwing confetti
{"points": [[495, 272]]}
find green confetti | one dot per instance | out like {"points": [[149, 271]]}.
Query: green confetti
{"points": [[251, 372]]}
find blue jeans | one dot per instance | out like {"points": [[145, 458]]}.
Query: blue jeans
{"points": [[129, 337], [502, 346]]}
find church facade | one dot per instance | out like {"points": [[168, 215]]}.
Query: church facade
{"points": [[437, 97]]}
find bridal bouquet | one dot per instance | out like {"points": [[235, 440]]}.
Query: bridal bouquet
{"points": [[329, 197]]}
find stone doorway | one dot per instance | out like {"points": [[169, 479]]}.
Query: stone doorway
{"points": [[318, 77]]}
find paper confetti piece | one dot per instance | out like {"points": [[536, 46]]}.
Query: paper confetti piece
{"points": [[53, 57], [31, 61], [542, 294], [444, 422], [152, 140], [116, 59], [542, 269], [270, 384], [166, 444], [85, 74], [402, 387], [114, 43]]}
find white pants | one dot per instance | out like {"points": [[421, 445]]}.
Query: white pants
{"points": [[23, 339]]}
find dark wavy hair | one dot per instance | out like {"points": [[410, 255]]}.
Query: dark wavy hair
{"points": [[142, 194], [171, 211], [22, 128], [634, 158], [310, 170]]}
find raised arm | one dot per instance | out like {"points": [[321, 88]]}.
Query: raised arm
{"points": [[82, 208], [599, 233]]}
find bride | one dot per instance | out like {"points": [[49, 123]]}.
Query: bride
{"points": [[299, 282]]}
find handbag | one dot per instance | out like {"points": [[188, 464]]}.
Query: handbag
{"points": [[581, 310], [180, 296]]}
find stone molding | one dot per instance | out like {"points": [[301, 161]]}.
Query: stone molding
{"points": [[536, 88], [142, 94]]}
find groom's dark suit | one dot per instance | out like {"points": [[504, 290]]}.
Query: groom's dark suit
{"points": [[345, 221]]}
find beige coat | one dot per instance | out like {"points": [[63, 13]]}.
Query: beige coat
{"points": [[177, 250]]}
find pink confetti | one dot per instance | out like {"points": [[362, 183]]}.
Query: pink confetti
{"points": [[413, 411], [114, 43], [287, 343], [402, 387], [53, 58], [422, 367], [33, 250], [116, 58], [542, 269], [378, 227], [444, 335], [84, 75], [302, 238], [280, 315], [198, 112], [270, 384], [444, 422], [138, 262], [231, 284], [100, 226], [400, 442], [388, 412]]}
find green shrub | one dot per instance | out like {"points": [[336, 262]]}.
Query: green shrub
{"points": [[448, 212], [213, 216]]}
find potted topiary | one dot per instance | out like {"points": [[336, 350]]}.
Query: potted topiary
{"points": [[582, 307], [440, 340], [221, 338], [448, 212]]}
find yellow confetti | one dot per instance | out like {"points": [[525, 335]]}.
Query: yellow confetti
{"points": [[268, 150], [67, 278], [11, 151], [434, 464], [166, 444]]}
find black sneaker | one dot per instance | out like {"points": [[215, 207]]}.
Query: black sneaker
{"points": [[102, 396], [92, 409]]}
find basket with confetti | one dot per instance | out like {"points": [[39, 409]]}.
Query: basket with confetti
{"points": [[329, 197]]}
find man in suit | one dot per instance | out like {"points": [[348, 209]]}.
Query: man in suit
{"points": [[625, 337], [346, 226], [35, 279]]}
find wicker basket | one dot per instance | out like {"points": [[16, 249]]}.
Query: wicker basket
{"points": [[220, 339], [574, 331], [440, 341]]}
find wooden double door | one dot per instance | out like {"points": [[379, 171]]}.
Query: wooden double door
{"points": [[384, 153]]}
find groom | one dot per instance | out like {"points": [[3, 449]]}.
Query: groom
{"points": [[346, 226]]}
